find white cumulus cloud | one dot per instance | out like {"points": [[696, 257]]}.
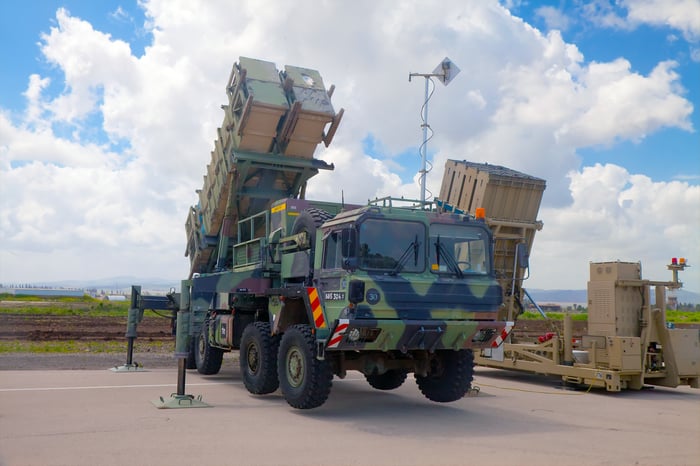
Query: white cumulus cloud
{"points": [[97, 177], [616, 215]]}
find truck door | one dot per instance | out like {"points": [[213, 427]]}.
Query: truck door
{"points": [[336, 263]]}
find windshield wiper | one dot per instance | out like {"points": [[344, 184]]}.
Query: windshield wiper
{"points": [[440, 251], [415, 245]]}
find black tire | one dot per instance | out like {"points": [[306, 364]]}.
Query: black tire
{"points": [[207, 358], [304, 380], [450, 378], [391, 379], [309, 220], [258, 358]]}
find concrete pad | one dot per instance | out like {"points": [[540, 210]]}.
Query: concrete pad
{"points": [[76, 417]]}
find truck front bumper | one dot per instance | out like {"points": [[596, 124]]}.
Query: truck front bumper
{"points": [[410, 335]]}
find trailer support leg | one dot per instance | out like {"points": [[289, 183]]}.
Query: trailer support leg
{"points": [[134, 317], [180, 399], [181, 373], [130, 366]]}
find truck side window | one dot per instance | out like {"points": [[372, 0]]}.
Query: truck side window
{"points": [[332, 247]]}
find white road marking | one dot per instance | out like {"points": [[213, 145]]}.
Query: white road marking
{"points": [[103, 387], [99, 387]]}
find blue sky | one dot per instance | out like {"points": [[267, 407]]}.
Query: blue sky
{"points": [[599, 98], [667, 153], [22, 24]]}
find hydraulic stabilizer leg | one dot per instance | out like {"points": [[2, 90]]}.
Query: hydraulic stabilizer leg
{"points": [[180, 399], [134, 317], [181, 373]]}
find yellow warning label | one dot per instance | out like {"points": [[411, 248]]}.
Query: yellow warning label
{"points": [[278, 208]]}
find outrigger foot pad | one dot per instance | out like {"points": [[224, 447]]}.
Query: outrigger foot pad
{"points": [[180, 401], [136, 367]]}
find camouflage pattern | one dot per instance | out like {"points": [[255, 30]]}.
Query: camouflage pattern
{"points": [[412, 311], [401, 312]]}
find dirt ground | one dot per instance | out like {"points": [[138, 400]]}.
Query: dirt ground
{"points": [[150, 351], [152, 329], [47, 327]]}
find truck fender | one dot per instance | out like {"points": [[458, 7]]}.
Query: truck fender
{"points": [[302, 308]]}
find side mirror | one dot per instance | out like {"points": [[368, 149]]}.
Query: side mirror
{"points": [[347, 239], [356, 291]]}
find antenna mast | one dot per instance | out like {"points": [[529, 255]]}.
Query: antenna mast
{"points": [[445, 71]]}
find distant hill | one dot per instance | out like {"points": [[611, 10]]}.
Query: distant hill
{"points": [[580, 296], [122, 284]]}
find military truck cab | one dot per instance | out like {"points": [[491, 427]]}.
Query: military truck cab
{"points": [[407, 265], [407, 290]]}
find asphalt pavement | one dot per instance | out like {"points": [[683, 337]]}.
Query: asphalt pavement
{"points": [[100, 417]]}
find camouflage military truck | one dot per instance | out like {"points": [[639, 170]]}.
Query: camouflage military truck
{"points": [[383, 290], [306, 290]]}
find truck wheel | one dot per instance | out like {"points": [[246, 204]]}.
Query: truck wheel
{"points": [[391, 379], [258, 358], [450, 378], [207, 358], [309, 220], [305, 381]]}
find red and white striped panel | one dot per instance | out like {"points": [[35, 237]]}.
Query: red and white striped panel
{"points": [[504, 334], [338, 334]]}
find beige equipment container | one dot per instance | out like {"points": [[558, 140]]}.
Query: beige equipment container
{"points": [[257, 102], [511, 201], [311, 112], [628, 345]]}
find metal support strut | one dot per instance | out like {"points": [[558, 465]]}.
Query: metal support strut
{"points": [[134, 317], [180, 399]]}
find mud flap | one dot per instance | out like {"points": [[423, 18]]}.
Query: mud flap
{"points": [[321, 349]]}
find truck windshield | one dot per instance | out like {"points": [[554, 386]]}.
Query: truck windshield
{"points": [[392, 246], [458, 249]]}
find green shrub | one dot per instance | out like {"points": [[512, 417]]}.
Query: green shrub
{"points": [[683, 317]]}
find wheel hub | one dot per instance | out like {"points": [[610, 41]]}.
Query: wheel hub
{"points": [[202, 346], [295, 367], [253, 358]]}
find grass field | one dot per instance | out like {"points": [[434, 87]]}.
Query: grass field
{"points": [[61, 306], [91, 307], [676, 317], [84, 346]]}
